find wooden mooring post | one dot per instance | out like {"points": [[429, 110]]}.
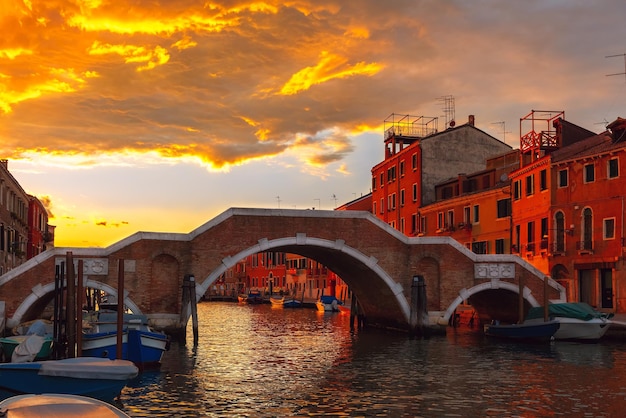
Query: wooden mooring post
{"points": [[419, 307], [120, 307], [189, 300], [71, 306]]}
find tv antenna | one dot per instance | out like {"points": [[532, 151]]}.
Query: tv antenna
{"points": [[504, 131], [335, 199], [278, 200], [614, 56], [448, 110]]}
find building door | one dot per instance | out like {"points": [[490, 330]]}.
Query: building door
{"points": [[606, 288], [585, 287]]}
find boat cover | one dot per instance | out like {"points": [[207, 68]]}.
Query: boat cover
{"points": [[28, 349], [577, 310], [90, 368]]}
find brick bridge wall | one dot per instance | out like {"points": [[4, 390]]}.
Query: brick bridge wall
{"points": [[376, 261]]}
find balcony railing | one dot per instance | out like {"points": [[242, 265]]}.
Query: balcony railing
{"points": [[586, 245]]}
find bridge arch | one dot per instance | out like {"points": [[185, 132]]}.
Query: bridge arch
{"points": [[495, 284], [306, 246], [42, 291]]}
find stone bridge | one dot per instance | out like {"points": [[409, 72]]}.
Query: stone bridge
{"points": [[375, 260]]}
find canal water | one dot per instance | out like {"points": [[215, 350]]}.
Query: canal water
{"points": [[259, 361]]}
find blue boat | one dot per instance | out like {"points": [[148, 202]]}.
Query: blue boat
{"points": [[528, 332], [140, 344], [97, 378]]}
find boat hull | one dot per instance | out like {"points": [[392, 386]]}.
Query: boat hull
{"points": [[531, 332], [143, 348], [96, 378], [576, 329], [578, 320]]}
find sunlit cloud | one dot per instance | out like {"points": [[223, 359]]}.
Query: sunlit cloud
{"points": [[133, 54], [330, 66]]}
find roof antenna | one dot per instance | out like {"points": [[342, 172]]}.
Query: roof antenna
{"points": [[624, 73]]}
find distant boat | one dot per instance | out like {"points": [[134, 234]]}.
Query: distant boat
{"points": [[528, 332], [58, 405], [282, 302], [140, 344], [254, 297], [98, 378], [328, 304], [578, 321]]}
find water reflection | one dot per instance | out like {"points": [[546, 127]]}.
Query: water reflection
{"points": [[258, 361]]}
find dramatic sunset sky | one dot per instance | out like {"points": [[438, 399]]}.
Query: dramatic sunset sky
{"points": [[147, 115]]}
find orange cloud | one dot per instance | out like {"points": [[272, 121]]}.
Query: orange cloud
{"points": [[330, 66]]}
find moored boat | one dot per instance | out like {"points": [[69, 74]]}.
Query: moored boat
{"points": [[98, 378], [57, 405], [140, 344], [254, 297], [578, 320], [328, 304], [43, 346], [283, 302], [529, 332]]}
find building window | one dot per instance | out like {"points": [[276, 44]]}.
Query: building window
{"points": [[504, 208], [423, 224], [543, 180], [415, 192], [402, 225], [563, 178], [500, 246], [439, 220], [530, 185], [517, 190], [466, 215], [530, 236], [480, 247], [476, 214], [414, 162], [450, 219], [544, 233], [401, 168], [587, 241], [391, 204], [373, 183], [382, 179], [608, 229], [374, 208], [402, 197], [590, 174], [613, 168], [382, 205], [414, 223], [559, 245]]}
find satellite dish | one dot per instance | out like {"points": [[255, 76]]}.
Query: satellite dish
{"points": [[504, 177]]}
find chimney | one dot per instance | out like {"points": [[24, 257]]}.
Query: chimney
{"points": [[470, 120]]}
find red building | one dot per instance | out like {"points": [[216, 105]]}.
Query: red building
{"points": [[40, 234]]}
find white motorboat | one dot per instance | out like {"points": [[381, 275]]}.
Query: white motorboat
{"points": [[578, 321]]}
